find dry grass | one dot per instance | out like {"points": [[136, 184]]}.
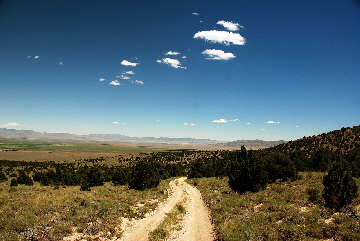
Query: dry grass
{"points": [[48, 213], [281, 212]]}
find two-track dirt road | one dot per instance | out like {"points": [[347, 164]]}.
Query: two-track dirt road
{"points": [[195, 226]]}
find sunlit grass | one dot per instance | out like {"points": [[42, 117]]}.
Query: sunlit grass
{"points": [[283, 211], [48, 213]]}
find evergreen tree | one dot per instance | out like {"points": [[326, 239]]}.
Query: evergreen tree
{"points": [[246, 172], [23, 178], [14, 183], [3, 177], [280, 167], [85, 186], [339, 186], [144, 175], [119, 176]]}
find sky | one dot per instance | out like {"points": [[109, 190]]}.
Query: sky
{"points": [[207, 69]]}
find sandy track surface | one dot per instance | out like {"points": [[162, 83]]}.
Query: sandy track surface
{"points": [[195, 226]]}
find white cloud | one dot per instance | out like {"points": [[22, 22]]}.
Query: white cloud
{"points": [[229, 25], [234, 120], [272, 122], [189, 124], [61, 63], [172, 62], [128, 72], [122, 77], [262, 129], [218, 54], [117, 123], [195, 14], [102, 79], [220, 121], [114, 82], [13, 124], [297, 126], [128, 63], [137, 82], [183, 57], [172, 53], [247, 123], [35, 57], [222, 37]]}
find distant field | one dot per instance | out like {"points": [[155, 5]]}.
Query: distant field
{"points": [[46, 150]]}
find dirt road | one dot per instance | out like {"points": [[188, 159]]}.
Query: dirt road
{"points": [[195, 226]]}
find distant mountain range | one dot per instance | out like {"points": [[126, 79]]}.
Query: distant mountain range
{"points": [[30, 134]]}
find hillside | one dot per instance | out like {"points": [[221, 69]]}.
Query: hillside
{"points": [[345, 139], [317, 153]]}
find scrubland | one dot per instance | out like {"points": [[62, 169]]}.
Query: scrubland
{"points": [[51, 213], [283, 211]]}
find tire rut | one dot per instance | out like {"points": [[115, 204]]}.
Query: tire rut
{"points": [[195, 226]]}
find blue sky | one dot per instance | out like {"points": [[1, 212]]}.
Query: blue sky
{"points": [[223, 70]]}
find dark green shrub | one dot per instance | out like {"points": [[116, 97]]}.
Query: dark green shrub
{"points": [[280, 167], [3, 177], [13, 183], [339, 186], [13, 174], [246, 172], [119, 176], [144, 175], [199, 168], [85, 186], [23, 178], [314, 195]]}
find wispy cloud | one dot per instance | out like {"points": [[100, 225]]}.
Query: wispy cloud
{"points": [[230, 25], [220, 121], [196, 14], [102, 79], [117, 123], [222, 37], [272, 122], [189, 124], [137, 82], [172, 62], [248, 123], [13, 124], [114, 82], [122, 77], [172, 53], [35, 57], [61, 63], [128, 63], [183, 57], [128, 72], [218, 54], [234, 120]]}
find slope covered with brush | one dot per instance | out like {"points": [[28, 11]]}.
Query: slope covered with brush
{"points": [[317, 153]]}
